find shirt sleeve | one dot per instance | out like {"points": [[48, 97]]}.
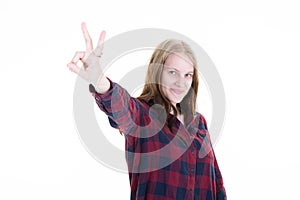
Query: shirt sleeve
{"points": [[221, 193], [124, 112]]}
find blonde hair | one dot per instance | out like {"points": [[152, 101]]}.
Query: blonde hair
{"points": [[153, 89]]}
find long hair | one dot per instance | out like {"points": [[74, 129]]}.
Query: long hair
{"points": [[153, 88]]}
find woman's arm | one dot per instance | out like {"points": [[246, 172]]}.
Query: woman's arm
{"points": [[129, 114], [126, 113], [221, 193]]}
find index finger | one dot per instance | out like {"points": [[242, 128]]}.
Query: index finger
{"points": [[87, 37]]}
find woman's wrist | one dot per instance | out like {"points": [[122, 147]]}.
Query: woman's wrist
{"points": [[101, 87]]}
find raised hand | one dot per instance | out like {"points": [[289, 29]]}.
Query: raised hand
{"points": [[91, 70]]}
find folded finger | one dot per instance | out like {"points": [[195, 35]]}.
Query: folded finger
{"points": [[73, 67], [79, 55]]}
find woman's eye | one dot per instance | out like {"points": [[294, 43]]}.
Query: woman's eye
{"points": [[189, 75], [172, 72]]}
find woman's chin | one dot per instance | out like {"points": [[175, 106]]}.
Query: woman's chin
{"points": [[176, 100]]}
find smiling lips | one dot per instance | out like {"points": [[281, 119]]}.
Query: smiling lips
{"points": [[177, 92]]}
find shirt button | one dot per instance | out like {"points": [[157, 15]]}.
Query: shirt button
{"points": [[193, 151], [192, 169]]}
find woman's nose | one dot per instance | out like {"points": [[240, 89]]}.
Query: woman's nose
{"points": [[180, 81]]}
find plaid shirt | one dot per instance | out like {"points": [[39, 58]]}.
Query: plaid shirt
{"points": [[163, 164]]}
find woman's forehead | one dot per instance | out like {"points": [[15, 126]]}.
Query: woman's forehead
{"points": [[179, 62]]}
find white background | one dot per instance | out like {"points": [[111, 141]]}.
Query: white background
{"points": [[255, 46]]}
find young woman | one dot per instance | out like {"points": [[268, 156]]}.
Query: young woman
{"points": [[168, 149]]}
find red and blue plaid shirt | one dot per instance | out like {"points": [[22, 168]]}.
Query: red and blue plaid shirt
{"points": [[163, 164]]}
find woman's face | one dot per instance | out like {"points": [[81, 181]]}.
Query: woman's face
{"points": [[177, 77]]}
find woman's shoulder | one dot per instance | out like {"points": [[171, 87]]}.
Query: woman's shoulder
{"points": [[202, 120]]}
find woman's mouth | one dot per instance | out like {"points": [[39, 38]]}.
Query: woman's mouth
{"points": [[177, 91]]}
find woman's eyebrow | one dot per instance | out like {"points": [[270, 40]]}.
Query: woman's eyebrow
{"points": [[173, 68]]}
